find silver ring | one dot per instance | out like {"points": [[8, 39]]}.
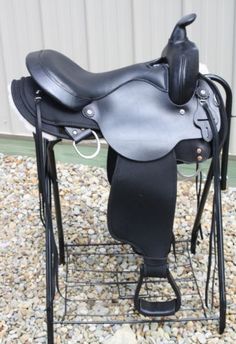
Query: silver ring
{"points": [[196, 173], [95, 153]]}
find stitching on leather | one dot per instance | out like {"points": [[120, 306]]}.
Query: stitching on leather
{"points": [[181, 76]]}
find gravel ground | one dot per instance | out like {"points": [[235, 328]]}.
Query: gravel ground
{"points": [[84, 191]]}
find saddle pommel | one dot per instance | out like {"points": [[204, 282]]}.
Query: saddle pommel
{"points": [[179, 33], [182, 58]]}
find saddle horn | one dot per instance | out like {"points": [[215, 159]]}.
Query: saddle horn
{"points": [[182, 57]]}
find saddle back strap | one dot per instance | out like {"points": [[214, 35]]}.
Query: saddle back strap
{"points": [[141, 210]]}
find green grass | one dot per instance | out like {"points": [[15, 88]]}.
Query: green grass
{"points": [[66, 153]]}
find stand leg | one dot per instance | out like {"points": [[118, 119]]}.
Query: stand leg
{"points": [[50, 258], [57, 203], [51, 254], [221, 267]]}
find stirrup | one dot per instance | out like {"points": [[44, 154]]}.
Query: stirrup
{"points": [[156, 308]]}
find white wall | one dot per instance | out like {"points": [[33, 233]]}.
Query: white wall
{"points": [[106, 34]]}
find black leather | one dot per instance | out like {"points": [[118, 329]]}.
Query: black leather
{"points": [[55, 116], [75, 87], [182, 58], [122, 128], [140, 123], [138, 201]]}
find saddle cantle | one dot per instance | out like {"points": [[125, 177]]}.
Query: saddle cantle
{"points": [[153, 115]]}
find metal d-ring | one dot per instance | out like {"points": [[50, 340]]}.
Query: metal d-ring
{"points": [[95, 153], [195, 174]]}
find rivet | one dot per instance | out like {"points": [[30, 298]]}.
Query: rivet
{"points": [[182, 111], [199, 158], [74, 132], [89, 112], [199, 150]]}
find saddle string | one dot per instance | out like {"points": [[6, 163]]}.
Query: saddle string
{"points": [[216, 214], [224, 109], [218, 142], [198, 184], [225, 113], [228, 111], [44, 196]]}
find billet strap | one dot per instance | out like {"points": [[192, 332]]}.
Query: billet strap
{"points": [[157, 308]]}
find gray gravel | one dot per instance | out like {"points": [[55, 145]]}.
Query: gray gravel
{"points": [[84, 192]]}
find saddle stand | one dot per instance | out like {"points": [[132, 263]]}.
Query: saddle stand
{"points": [[154, 117]]}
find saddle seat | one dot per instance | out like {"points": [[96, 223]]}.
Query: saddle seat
{"points": [[74, 86], [176, 72]]}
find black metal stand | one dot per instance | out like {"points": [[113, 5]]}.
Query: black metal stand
{"points": [[53, 177], [121, 282]]}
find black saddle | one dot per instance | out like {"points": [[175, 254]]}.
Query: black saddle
{"points": [[153, 116]]}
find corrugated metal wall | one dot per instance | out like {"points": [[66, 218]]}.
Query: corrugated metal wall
{"points": [[106, 34]]}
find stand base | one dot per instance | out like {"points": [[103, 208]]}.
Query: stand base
{"points": [[98, 284]]}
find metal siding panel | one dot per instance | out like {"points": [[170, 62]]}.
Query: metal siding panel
{"points": [[213, 33], [5, 119], [124, 26], [233, 124], [215, 37], [20, 33], [109, 34], [105, 34], [95, 34], [153, 23], [64, 28]]}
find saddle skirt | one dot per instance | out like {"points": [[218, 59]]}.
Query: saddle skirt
{"points": [[137, 119]]}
